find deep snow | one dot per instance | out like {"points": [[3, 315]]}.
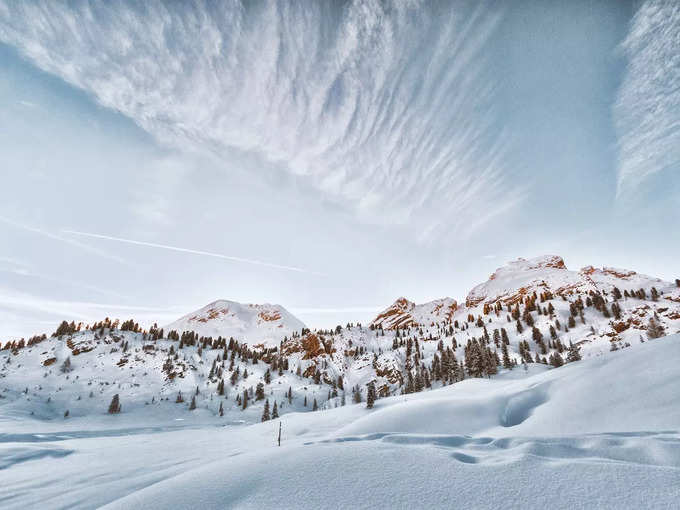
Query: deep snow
{"points": [[600, 433]]}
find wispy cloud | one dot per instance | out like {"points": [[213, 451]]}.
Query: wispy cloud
{"points": [[386, 107], [190, 251], [647, 110], [56, 237]]}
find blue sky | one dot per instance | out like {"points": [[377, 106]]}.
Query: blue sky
{"points": [[328, 157]]}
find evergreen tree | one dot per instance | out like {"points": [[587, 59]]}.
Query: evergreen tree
{"points": [[114, 406], [265, 412], [315, 406], [244, 401], [66, 365], [556, 360], [574, 354], [192, 406], [654, 328], [507, 363], [259, 392], [370, 395], [275, 411]]}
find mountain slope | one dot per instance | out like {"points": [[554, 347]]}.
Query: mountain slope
{"points": [[404, 313], [536, 313], [250, 323], [601, 433]]}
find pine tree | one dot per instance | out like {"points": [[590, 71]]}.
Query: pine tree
{"points": [[244, 400], [192, 406], [275, 411], [315, 406], [114, 406], [556, 360], [66, 365], [259, 392], [654, 328], [370, 395], [574, 353], [507, 363], [265, 412]]}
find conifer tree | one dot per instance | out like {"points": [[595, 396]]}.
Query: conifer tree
{"points": [[315, 406], [259, 391], [507, 363], [275, 411], [265, 412], [370, 395], [244, 400], [192, 406], [66, 365], [654, 328], [574, 353], [114, 406]]}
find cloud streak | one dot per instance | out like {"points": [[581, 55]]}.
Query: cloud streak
{"points": [[55, 237], [647, 110], [385, 107], [191, 251]]}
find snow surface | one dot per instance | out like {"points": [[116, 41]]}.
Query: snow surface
{"points": [[599, 433]]}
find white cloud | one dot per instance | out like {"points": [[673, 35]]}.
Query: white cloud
{"points": [[647, 110], [383, 106]]}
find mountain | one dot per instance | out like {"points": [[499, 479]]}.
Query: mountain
{"points": [[404, 313], [253, 324], [536, 313], [549, 273]]}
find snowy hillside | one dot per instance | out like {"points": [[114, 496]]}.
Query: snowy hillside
{"points": [[600, 433], [253, 324], [229, 361], [404, 313]]}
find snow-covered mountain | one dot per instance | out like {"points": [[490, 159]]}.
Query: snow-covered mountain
{"points": [[535, 312], [523, 277], [404, 313], [253, 324]]}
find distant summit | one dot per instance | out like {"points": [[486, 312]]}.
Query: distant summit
{"points": [[253, 324]]}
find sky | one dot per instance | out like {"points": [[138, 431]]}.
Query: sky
{"points": [[326, 156]]}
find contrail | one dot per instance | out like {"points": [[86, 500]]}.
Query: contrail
{"points": [[55, 237], [194, 252]]}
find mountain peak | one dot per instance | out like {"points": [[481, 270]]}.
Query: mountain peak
{"points": [[265, 324], [404, 313]]}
